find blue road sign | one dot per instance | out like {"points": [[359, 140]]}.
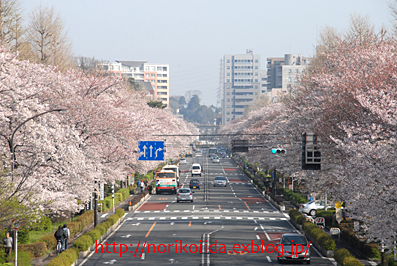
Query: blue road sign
{"points": [[151, 151], [272, 174]]}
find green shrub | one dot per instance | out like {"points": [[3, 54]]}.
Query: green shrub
{"points": [[326, 241], [341, 254], [43, 224], [101, 228], [104, 208], [23, 235], [264, 188], [24, 258], [66, 258], [107, 224], [35, 250], [277, 200], [83, 243], [95, 234], [351, 261], [120, 212], [125, 192], [50, 241], [300, 219], [113, 218]]}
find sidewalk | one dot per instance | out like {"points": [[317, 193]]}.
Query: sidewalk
{"points": [[121, 205], [339, 243]]}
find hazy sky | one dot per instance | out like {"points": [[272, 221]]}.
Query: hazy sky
{"points": [[193, 35]]}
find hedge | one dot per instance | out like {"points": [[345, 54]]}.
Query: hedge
{"points": [[125, 192], [344, 258], [324, 240], [83, 243], [66, 258], [95, 234], [120, 212], [370, 249], [113, 218], [35, 250], [295, 198], [279, 202]]}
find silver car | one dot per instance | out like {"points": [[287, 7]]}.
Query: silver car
{"points": [[184, 194], [215, 159], [220, 181], [182, 161], [311, 207], [300, 245]]}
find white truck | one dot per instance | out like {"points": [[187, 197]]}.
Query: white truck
{"points": [[174, 168]]}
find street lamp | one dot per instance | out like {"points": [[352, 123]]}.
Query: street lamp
{"points": [[61, 110]]}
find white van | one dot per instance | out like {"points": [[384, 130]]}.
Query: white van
{"points": [[173, 168], [196, 169]]}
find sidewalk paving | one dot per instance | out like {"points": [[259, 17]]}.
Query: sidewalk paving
{"points": [[339, 243]]}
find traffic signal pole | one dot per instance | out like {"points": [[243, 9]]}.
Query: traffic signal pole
{"points": [[274, 182]]}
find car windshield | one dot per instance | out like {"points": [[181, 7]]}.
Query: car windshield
{"points": [[184, 190], [196, 167], [220, 178], [288, 240], [194, 181]]}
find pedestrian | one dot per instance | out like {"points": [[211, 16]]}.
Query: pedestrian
{"points": [[66, 229], [60, 235], [142, 186], [7, 242], [146, 182], [138, 183]]}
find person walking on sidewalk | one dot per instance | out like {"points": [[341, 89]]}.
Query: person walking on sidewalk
{"points": [[142, 186], [60, 236], [67, 231], [7, 242]]}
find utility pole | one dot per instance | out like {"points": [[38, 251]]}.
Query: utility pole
{"points": [[96, 204], [274, 182]]}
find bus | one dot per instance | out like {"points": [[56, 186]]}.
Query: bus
{"points": [[211, 151], [173, 168], [166, 182]]}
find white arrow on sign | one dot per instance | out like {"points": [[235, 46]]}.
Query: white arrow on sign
{"points": [[151, 148], [144, 150], [110, 262], [159, 149], [127, 236]]}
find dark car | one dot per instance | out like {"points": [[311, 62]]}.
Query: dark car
{"points": [[291, 240], [194, 183]]}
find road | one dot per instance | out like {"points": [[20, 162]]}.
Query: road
{"points": [[165, 232]]}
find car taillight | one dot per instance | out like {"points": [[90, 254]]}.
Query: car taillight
{"points": [[178, 194], [173, 180], [190, 193], [199, 184], [303, 206]]}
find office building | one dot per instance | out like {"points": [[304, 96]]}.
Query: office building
{"points": [[241, 83]]}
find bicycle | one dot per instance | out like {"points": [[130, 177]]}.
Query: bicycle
{"points": [[59, 247]]}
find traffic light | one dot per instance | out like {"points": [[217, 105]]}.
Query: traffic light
{"points": [[278, 151], [311, 155], [239, 145]]}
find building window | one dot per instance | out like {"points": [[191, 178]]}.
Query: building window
{"points": [[227, 106], [165, 75], [228, 67], [228, 80], [153, 75], [228, 74], [256, 74], [153, 68], [228, 119], [256, 86], [227, 93], [228, 113], [297, 70], [159, 68], [290, 79], [290, 70], [164, 68], [256, 67], [228, 61], [227, 87], [153, 81], [147, 75], [256, 60], [228, 100], [256, 80]]}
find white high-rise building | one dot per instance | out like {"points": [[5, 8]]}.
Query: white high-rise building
{"points": [[141, 71], [242, 83]]}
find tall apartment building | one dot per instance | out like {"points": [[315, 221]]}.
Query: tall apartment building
{"points": [[156, 74], [283, 72], [241, 82]]}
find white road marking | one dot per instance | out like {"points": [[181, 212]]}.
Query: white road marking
{"points": [[268, 259], [104, 215], [258, 237]]}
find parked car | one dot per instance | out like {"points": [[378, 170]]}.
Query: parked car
{"points": [[182, 161], [287, 240], [194, 183], [215, 159], [311, 207], [184, 194], [196, 169], [220, 181]]}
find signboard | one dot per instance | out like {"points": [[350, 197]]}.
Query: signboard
{"points": [[334, 231], [356, 226], [320, 220], [151, 150], [16, 224], [338, 215], [102, 191], [272, 174]]}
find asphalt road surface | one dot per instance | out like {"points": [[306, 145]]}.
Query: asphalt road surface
{"points": [[235, 220]]}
